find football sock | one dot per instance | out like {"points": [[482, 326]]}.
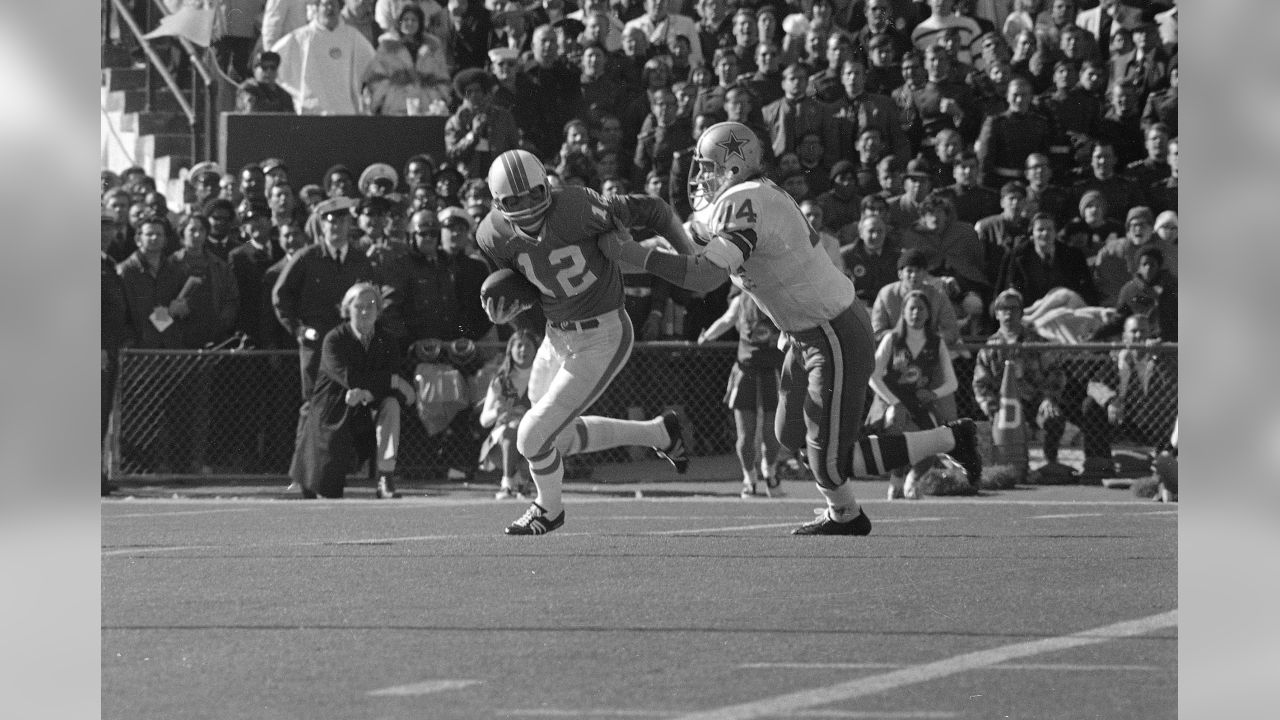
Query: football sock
{"points": [[842, 506], [548, 475], [590, 433], [878, 454]]}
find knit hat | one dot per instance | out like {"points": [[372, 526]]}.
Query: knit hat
{"points": [[1091, 197], [1141, 212]]}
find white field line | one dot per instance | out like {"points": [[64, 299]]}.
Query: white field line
{"points": [[791, 703], [425, 687], [894, 666]]}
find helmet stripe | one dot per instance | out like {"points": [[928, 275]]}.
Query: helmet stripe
{"points": [[511, 161], [518, 162]]}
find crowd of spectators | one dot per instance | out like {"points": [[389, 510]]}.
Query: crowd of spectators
{"points": [[958, 148]]}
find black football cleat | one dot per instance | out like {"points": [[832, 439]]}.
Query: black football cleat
{"points": [[824, 525], [966, 449], [386, 488], [535, 522], [676, 453]]}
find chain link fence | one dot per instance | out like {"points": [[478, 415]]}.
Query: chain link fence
{"points": [[233, 414]]}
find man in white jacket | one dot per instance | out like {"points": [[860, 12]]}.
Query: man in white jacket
{"points": [[322, 63]]}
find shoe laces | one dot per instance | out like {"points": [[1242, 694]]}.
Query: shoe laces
{"points": [[533, 513]]}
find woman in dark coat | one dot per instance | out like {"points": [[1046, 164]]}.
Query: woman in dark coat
{"points": [[355, 408]]}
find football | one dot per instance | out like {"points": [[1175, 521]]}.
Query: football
{"points": [[509, 284]]}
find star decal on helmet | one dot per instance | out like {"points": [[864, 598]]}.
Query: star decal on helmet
{"points": [[732, 146]]}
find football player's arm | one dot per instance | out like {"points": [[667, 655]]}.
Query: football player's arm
{"points": [[692, 272], [637, 210]]}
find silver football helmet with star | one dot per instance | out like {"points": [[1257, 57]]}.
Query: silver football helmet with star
{"points": [[726, 154]]}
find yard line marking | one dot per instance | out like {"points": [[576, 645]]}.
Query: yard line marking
{"points": [[173, 512], [894, 666], [425, 687], [981, 659], [1081, 515], [844, 714], [1065, 515], [793, 523], [131, 551]]}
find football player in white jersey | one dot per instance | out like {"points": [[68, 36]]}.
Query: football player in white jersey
{"points": [[752, 232]]}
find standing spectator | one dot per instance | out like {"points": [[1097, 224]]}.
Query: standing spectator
{"points": [[145, 276], [971, 201], [1050, 23], [387, 12], [358, 14], [249, 263], [943, 101], [467, 270], [871, 260], [1001, 233], [1120, 194], [856, 111], [711, 100], [240, 20], [323, 63], [469, 27], [794, 115], [714, 23], [600, 92], [307, 295], [281, 17], [1006, 140], [480, 130], [554, 89], [1046, 263], [1146, 68], [914, 80], [941, 19], [356, 403], [1073, 110], [661, 27], [222, 236], [114, 334], [752, 391], [261, 93], [409, 74], [883, 73], [1166, 238]]}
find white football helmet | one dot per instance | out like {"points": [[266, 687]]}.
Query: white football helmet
{"points": [[518, 184], [726, 154]]}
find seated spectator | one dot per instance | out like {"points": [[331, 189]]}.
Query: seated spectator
{"points": [[1042, 194], [409, 73], [1092, 230], [952, 247], [905, 209], [1134, 395], [1120, 193], [871, 260], [913, 274], [1116, 262], [814, 163], [1001, 233], [323, 63], [1120, 125], [1155, 166], [262, 94], [1164, 193], [971, 201], [1048, 399], [913, 381], [505, 403], [812, 212], [1153, 292], [1162, 105], [1008, 139], [1046, 263], [856, 109], [355, 407], [840, 203], [1167, 239]]}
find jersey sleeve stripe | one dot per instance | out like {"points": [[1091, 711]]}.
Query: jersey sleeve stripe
{"points": [[744, 240]]}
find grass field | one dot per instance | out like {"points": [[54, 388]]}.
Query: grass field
{"points": [[1040, 602]]}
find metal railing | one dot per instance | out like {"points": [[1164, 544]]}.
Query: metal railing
{"points": [[232, 415], [199, 109]]}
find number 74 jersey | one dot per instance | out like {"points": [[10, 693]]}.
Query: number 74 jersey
{"points": [[576, 280], [756, 231]]}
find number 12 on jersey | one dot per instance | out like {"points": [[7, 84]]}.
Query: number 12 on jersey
{"points": [[560, 273]]}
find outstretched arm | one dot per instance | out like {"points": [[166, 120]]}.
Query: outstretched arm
{"points": [[692, 272]]}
